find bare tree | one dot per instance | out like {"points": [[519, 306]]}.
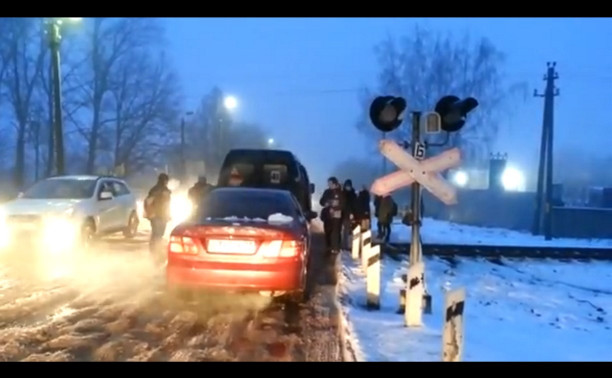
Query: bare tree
{"points": [[111, 40], [145, 98], [6, 51], [424, 66], [211, 128], [25, 63]]}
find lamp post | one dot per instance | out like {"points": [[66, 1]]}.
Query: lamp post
{"points": [[55, 38], [183, 162]]}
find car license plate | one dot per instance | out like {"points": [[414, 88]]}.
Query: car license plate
{"points": [[231, 246]]}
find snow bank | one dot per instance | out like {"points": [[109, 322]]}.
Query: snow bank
{"points": [[279, 218], [436, 231], [243, 219], [520, 311]]}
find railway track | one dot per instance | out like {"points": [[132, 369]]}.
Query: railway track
{"points": [[488, 251]]}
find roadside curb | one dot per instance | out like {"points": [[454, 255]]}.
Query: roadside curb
{"points": [[350, 348]]}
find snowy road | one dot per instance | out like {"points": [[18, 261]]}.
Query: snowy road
{"points": [[112, 306]]}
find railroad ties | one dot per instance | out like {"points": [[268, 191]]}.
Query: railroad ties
{"points": [[519, 252]]}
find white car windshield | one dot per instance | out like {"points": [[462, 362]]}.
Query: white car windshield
{"points": [[61, 189]]}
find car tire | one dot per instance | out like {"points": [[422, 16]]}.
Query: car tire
{"points": [[303, 295], [88, 233], [132, 227]]}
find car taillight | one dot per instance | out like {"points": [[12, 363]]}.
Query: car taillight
{"points": [[183, 244], [281, 248]]}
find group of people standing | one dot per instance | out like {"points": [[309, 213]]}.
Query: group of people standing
{"points": [[157, 205], [344, 208]]}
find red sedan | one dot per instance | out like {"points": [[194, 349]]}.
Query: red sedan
{"points": [[243, 239]]}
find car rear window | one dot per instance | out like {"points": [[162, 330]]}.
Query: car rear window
{"points": [[265, 168], [244, 204]]}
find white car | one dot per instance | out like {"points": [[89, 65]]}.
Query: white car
{"points": [[61, 211]]}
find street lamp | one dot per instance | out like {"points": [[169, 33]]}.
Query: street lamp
{"points": [[461, 178], [183, 162], [55, 37], [513, 180], [270, 142], [230, 102]]}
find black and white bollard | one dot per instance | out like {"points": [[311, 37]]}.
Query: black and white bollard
{"points": [[366, 244], [373, 277], [413, 313], [452, 336], [356, 247]]}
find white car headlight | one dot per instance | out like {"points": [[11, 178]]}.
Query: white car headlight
{"points": [[59, 233]]}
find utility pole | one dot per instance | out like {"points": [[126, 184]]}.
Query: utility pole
{"points": [[58, 127], [545, 170]]}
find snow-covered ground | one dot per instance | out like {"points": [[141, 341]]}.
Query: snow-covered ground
{"points": [[519, 311], [442, 232]]}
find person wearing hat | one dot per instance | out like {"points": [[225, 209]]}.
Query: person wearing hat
{"points": [[333, 204], [157, 210], [348, 213]]}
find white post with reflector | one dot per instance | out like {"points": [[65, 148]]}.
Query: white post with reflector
{"points": [[366, 244], [413, 312], [356, 242], [452, 336], [373, 277]]}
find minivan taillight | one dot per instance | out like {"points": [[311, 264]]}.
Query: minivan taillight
{"points": [[281, 248], [183, 244]]}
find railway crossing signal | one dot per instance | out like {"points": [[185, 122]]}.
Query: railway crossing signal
{"points": [[411, 170], [453, 112], [387, 114]]}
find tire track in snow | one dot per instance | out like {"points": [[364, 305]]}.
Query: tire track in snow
{"points": [[115, 309]]}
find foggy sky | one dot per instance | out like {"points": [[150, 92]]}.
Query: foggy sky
{"points": [[299, 77]]}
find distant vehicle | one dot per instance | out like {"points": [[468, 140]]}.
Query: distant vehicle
{"points": [[274, 169], [243, 239], [65, 211]]}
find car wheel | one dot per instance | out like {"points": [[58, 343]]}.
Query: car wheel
{"points": [[132, 227], [88, 233], [303, 295]]}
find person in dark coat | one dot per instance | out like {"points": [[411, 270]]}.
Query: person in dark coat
{"points": [[362, 209], [348, 212], [386, 212], [377, 200], [332, 201], [198, 191], [157, 211]]}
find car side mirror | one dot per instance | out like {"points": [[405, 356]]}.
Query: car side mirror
{"points": [[104, 196], [312, 188], [310, 215]]}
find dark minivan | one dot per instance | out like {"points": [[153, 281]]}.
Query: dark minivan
{"points": [[274, 169]]}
